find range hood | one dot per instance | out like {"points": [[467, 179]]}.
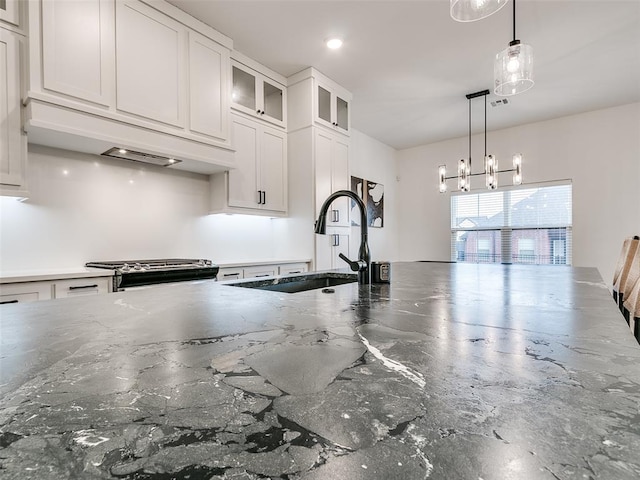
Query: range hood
{"points": [[60, 127], [141, 157]]}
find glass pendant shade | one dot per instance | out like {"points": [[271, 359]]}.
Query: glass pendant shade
{"points": [[464, 181], [472, 10], [513, 69], [491, 172], [517, 169], [442, 174]]}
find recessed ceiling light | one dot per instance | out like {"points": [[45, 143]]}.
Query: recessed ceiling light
{"points": [[334, 43]]}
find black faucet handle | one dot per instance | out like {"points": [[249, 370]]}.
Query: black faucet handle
{"points": [[356, 266]]}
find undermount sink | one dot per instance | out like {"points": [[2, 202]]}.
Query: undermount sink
{"points": [[298, 283]]}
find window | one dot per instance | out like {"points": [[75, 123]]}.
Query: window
{"points": [[518, 225]]}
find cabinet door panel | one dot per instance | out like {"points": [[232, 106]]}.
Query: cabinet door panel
{"points": [[273, 173], [243, 180], [77, 45], [11, 170], [340, 180], [149, 63], [208, 74], [342, 247], [243, 94], [323, 169], [324, 251], [272, 101]]}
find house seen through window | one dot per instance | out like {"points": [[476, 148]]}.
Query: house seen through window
{"points": [[518, 225]]}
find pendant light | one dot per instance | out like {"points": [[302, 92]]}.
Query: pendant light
{"points": [[513, 67], [491, 170], [472, 10]]}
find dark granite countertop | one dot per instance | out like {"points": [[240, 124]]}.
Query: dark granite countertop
{"points": [[451, 372]]}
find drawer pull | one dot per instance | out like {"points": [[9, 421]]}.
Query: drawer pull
{"points": [[263, 275], [230, 274], [8, 301], [80, 287]]}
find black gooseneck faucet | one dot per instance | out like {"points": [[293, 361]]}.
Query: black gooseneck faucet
{"points": [[362, 265]]}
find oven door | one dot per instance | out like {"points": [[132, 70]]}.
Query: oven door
{"points": [[129, 280]]}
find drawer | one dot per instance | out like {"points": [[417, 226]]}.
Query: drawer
{"points": [[230, 274], [25, 292], [292, 268], [77, 287], [261, 271]]}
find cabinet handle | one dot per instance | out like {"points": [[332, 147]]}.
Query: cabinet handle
{"points": [[294, 271], [8, 301], [80, 287], [236, 275], [259, 197], [263, 275], [336, 240], [264, 197]]}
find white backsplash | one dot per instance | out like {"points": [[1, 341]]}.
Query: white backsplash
{"points": [[84, 207]]}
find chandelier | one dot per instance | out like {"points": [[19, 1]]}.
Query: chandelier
{"points": [[491, 170]]}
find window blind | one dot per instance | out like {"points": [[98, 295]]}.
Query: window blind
{"points": [[519, 225]]}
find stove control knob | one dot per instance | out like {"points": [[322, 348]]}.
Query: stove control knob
{"points": [[126, 267], [137, 266]]}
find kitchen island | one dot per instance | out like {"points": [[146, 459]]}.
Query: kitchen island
{"points": [[453, 371]]}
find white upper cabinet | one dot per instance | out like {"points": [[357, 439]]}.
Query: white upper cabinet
{"points": [[258, 95], [13, 151], [10, 12], [316, 99], [208, 87], [140, 75], [258, 184], [78, 62], [150, 73]]}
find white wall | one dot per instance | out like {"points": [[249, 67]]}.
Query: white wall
{"points": [[375, 161], [599, 151], [84, 207]]}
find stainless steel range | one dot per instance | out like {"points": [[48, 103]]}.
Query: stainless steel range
{"points": [[135, 273]]}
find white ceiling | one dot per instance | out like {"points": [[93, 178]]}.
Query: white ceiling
{"points": [[409, 65]]}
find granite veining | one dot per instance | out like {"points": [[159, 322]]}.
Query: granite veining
{"points": [[451, 371]]}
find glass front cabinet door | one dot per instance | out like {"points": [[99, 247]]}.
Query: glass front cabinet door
{"points": [[332, 107], [258, 95]]}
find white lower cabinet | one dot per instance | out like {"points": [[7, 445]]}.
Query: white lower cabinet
{"points": [[257, 271], [19, 292], [329, 247], [258, 184], [13, 143]]}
